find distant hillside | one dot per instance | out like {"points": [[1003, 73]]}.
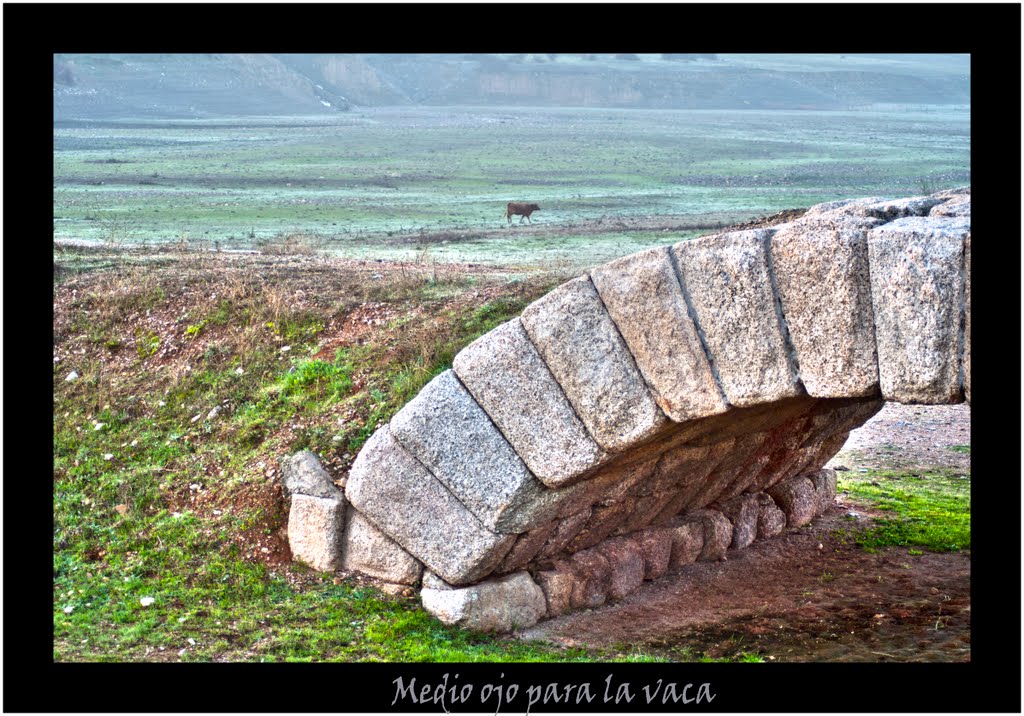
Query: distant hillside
{"points": [[181, 86], [111, 86]]}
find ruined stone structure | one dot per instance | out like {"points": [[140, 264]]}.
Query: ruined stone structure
{"points": [[662, 409]]}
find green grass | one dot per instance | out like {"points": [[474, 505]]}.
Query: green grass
{"points": [[930, 509], [962, 449]]}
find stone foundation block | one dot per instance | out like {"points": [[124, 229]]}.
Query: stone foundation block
{"points": [[316, 526], [498, 605], [557, 585], [656, 547], [796, 497], [742, 512], [687, 542], [824, 482], [592, 579], [771, 521], [626, 565]]}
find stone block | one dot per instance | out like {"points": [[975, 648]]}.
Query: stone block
{"points": [[584, 351], [511, 382], [557, 585], [642, 295], [400, 497], [687, 542], [303, 474], [592, 578], [625, 564], [771, 521], [315, 529], [656, 546], [727, 282], [445, 429], [717, 533], [498, 605], [370, 551], [967, 315], [742, 512], [797, 499], [917, 290], [604, 519], [567, 528], [526, 548], [825, 291], [824, 482]]}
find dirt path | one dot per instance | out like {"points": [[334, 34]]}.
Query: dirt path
{"points": [[810, 595]]}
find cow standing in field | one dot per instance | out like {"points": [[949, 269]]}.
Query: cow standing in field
{"points": [[521, 208]]}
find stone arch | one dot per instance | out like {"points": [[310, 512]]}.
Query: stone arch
{"points": [[589, 435]]}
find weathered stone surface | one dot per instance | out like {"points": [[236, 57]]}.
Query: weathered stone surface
{"points": [[567, 528], [680, 465], [895, 208], [827, 449], [445, 429], [626, 565], [771, 521], [656, 546], [961, 208], [825, 290], [370, 551], [967, 316], [303, 474], [315, 529], [839, 416], [395, 492], [917, 291], [742, 512], [557, 586], [592, 577], [499, 605], [526, 548], [717, 533], [797, 499], [432, 581], [511, 382], [745, 477], [618, 479], [687, 542], [846, 205], [642, 295], [824, 482], [727, 282], [584, 351], [644, 512], [604, 520]]}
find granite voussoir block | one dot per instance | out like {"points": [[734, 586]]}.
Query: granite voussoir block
{"points": [[917, 290], [370, 551], [824, 482], [510, 381], [446, 430], [825, 290], [642, 295], [526, 548], [304, 474], [728, 284], [584, 351], [404, 500]]}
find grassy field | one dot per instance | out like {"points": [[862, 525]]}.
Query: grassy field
{"points": [[182, 376], [383, 183]]}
